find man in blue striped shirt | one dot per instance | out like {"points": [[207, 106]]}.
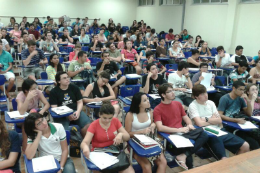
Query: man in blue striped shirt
{"points": [[33, 60]]}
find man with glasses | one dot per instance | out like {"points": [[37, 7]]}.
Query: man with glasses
{"points": [[49, 45], [6, 65], [79, 70], [229, 109], [168, 117], [114, 71]]}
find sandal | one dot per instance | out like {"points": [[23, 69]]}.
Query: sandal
{"points": [[180, 164]]}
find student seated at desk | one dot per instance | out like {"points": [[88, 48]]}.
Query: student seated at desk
{"points": [[238, 56], [49, 46], [175, 51], [74, 55], [83, 38], [257, 57], [255, 72], [96, 45], [161, 50], [10, 150], [139, 44], [142, 54], [54, 67], [139, 120], [197, 41], [168, 117], [28, 100], [180, 80], [67, 94], [150, 59], [252, 95], [204, 113], [184, 35], [222, 59], [65, 38], [114, 54], [104, 132], [101, 90], [240, 74], [229, 109], [194, 59], [113, 69], [204, 50], [170, 36], [189, 43], [47, 139]]}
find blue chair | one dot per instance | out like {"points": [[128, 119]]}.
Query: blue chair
{"points": [[44, 75], [3, 97], [214, 51], [61, 59], [187, 54], [122, 69], [129, 90], [85, 48], [224, 83]]}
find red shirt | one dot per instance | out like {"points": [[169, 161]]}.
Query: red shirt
{"points": [[72, 54], [103, 138], [129, 55], [169, 114], [169, 37], [35, 33]]}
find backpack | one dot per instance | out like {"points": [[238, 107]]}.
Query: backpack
{"points": [[129, 69], [87, 76]]}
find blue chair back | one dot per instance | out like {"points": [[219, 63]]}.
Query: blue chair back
{"points": [[14, 104], [129, 90], [172, 66], [94, 61], [187, 54], [2, 79], [44, 75], [214, 51], [222, 80], [122, 69], [61, 59], [85, 48], [68, 136]]}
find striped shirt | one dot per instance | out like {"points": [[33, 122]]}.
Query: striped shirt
{"points": [[36, 59]]}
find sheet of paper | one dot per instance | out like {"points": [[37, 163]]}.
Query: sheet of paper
{"points": [[145, 139], [49, 163], [102, 160], [256, 117], [77, 80], [95, 103], [180, 141], [44, 81], [189, 91], [207, 79], [155, 96], [133, 76], [247, 125], [16, 114], [221, 133], [211, 88], [194, 69]]}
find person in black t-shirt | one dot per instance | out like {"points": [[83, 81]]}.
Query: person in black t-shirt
{"points": [[67, 94], [65, 38], [96, 45], [5, 36], [116, 74]]}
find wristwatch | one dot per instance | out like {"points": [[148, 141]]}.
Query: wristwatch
{"points": [[61, 168], [206, 119]]}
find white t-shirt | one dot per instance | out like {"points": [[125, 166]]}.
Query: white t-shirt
{"points": [[175, 53], [51, 145], [180, 44], [225, 60], [233, 58], [199, 110], [4, 42], [178, 82]]}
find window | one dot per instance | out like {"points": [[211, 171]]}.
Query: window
{"points": [[145, 2], [210, 1], [250, 1], [171, 2]]}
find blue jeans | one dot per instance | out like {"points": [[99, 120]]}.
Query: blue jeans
{"points": [[69, 166]]}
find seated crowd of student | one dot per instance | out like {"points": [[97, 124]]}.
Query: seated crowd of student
{"points": [[165, 113]]}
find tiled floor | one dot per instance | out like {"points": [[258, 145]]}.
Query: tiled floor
{"points": [[77, 161]]}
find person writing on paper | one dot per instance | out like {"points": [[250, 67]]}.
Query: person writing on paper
{"points": [[139, 120], [10, 150], [104, 132], [180, 80], [47, 139], [240, 74], [67, 94], [229, 109], [194, 59], [203, 112], [251, 94], [168, 117], [101, 90], [255, 72]]}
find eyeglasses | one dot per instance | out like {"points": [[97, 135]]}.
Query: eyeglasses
{"points": [[40, 122], [169, 91]]}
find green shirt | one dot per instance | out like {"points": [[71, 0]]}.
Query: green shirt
{"points": [[5, 59], [75, 66]]}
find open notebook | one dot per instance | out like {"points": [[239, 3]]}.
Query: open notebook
{"points": [[102, 160], [43, 163]]}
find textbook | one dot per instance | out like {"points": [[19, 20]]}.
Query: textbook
{"points": [[144, 146], [17, 115], [144, 140], [61, 110], [102, 160], [109, 149], [95, 103]]}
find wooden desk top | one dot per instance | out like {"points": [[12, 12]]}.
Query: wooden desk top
{"points": [[244, 163]]}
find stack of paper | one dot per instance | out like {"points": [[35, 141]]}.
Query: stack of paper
{"points": [[145, 140], [133, 76], [44, 81], [207, 79], [95, 103], [155, 96], [49, 163], [17, 115], [102, 160], [62, 110], [180, 141], [247, 125]]}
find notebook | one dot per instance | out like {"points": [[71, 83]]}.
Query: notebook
{"points": [[49, 163], [61, 110], [17, 115], [102, 160]]}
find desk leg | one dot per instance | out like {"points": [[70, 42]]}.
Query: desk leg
{"points": [[164, 145], [131, 155]]}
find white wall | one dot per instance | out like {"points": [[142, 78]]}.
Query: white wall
{"points": [[162, 18], [123, 11]]}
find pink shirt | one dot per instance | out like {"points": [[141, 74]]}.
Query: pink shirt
{"points": [[34, 103], [16, 34], [121, 45], [129, 55], [169, 37], [72, 54]]}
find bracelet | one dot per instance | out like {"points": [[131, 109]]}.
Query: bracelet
{"points": [[206, 119]]}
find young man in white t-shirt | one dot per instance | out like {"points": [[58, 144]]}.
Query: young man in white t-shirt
{"points": [[180, 82], [49, 139], [203, 112], [222, 59]]}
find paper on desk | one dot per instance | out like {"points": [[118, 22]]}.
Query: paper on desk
{"points": [[44, 81], [247, 125], [256, 117], [49, 163], [133, 76], [145, 139], [95, 103], [194, 69], [207, 79], [155, 96], [220, 132], [211, 88], [180, 141], [16, 114], [77, 80], [102, 160]]}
